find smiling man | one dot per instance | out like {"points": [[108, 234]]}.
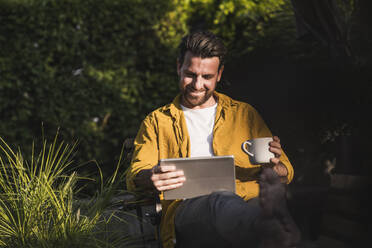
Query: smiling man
{"points": [[203, 122], [198, 80]]}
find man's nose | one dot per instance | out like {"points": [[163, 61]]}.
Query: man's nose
{"points": [[198, 83]]}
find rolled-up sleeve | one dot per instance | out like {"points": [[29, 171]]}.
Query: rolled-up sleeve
{"points": [[260, 129], [145, 154]]}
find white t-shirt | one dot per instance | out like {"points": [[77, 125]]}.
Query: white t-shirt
{"points": [[200, 123]]}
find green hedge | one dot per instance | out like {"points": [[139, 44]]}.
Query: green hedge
{"points": [[94, 68]]}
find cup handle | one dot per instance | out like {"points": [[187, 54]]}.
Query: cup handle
{"points": [[245, 150]]}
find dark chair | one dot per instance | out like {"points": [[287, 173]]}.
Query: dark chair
{"points": [[147, 206]]}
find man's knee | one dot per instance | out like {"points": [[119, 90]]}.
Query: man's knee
{"points": [[219, 199]]}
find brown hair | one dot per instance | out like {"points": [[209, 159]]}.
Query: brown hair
{"points": [[204, 44]]}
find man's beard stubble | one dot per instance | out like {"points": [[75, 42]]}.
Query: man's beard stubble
{"points": [[194, 101]]}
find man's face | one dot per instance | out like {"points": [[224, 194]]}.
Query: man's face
{"points": [[198, 80]]}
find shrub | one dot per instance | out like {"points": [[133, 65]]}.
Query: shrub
{"points": [[38, 205]]}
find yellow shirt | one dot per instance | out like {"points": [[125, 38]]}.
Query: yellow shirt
{"points": [[163, 134]]}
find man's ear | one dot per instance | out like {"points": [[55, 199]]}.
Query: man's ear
{"points": [[220, 73]]}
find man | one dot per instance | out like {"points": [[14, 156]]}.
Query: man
{"points": [[203, 122]]}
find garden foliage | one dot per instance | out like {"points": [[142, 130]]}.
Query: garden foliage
{"points": [[93, 68]]}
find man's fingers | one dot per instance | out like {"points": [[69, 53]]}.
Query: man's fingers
{"points": [[275, 147], [171, 181], [163, 168], [277, 151], [275, 144], [168, 187], [276, 138], [169, 184], [166, 175]]}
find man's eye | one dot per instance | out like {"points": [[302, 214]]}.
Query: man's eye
{"points": [[189, 75], [207, 76]]}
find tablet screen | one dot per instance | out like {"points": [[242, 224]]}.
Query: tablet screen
{"points": [[204, 175]]}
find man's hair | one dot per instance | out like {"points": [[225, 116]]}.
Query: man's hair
{"points": [[204, 44]]}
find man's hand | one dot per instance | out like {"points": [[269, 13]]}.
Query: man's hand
{"points": [[276, 148], [167, 177]]}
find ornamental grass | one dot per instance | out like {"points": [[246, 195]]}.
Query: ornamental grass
{"points": [[38, 204]]}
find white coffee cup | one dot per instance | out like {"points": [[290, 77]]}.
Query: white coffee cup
{"points": [[258, 150]]}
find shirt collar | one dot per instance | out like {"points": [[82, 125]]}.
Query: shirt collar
{"points": [[175, 107]]}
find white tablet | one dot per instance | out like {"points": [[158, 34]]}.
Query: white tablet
{"points": [[204, 175]]}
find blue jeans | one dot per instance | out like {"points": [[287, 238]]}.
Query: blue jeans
{"points": [[221, 219]]}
